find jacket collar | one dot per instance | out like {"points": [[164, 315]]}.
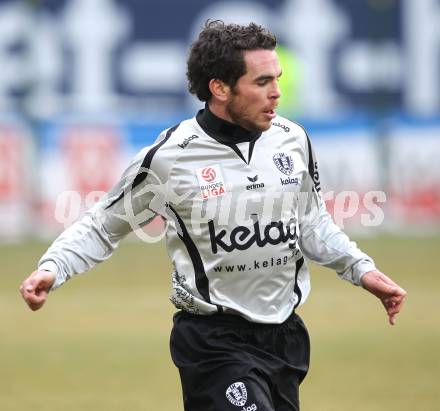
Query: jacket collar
{"points": [[223, 131]]}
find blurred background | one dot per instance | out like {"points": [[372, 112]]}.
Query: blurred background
{"points": [[87, 82], [84, 84]]}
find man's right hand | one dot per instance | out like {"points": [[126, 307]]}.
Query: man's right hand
{"points": [[36, 287]]}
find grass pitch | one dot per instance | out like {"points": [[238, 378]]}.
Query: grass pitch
{"points": [[101, 341]]}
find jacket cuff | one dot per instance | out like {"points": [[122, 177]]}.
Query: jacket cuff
{"points": [[360, 268], [50, 265]]}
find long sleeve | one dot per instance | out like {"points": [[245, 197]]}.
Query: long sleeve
{"points": [[320, 239], [133, 202]]}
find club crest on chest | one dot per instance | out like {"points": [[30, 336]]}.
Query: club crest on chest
{"points": [[284, 163]]}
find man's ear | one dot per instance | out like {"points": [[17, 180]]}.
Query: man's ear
{"points": [[219, 89]]}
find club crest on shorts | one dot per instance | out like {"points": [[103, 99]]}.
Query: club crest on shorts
{"points": [[284, 163], [237, 394]]}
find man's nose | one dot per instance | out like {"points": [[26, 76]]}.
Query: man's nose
{"points": [[275, 92]]}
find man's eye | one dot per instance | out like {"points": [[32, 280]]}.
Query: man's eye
{"points": [[262, 83]]}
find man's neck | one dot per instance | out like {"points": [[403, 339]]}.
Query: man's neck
{"points": [[220, 111]]}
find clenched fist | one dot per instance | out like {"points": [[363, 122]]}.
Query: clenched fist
{"points": [[36, 287]]}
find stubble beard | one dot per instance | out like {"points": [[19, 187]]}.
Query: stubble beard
{"points": [[238, 115]]}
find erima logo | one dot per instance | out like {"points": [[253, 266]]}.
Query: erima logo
{"points": [[242, 238], [255, 185], [187, 141], [286, 181], [284, 127]]}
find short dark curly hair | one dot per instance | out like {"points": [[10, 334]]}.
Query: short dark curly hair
{"points": [[218, 54]]}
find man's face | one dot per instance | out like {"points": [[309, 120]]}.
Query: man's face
{"points": [[253, 100]]}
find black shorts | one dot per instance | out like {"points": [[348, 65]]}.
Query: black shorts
{"points": [[228, 363]]}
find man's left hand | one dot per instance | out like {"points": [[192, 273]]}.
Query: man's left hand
{"points": [[391, 294]]}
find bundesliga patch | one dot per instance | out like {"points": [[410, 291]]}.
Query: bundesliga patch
{"points": [[284, 163], [210, 181]]}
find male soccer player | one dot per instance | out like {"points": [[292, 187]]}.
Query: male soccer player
{"points": [[239, 188]]}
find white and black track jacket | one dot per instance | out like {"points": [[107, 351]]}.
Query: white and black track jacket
{"points": [[242, 210]]}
